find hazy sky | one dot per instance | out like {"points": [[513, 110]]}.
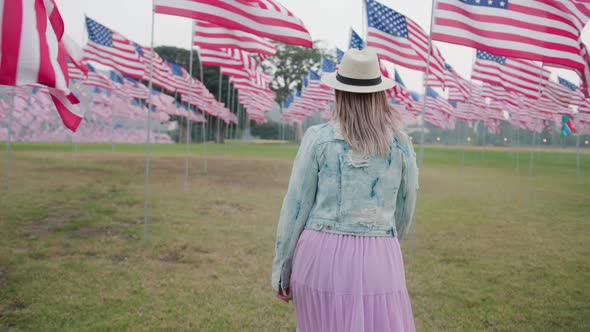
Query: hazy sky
{"points": [[328, 20]]}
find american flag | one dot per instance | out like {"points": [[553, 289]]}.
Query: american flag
{"points": [[355, 41], [339, 55], [219, 58], [436, 102], [314, 89], [32, 52], [212, 36], [161, 75], [515, 75], [265, 18], [546, 31], [74, 73], [327, 65], [400, 40], [112, 49], [459, 88], [97, 79], [134, 89], [564, 92], [495, 92], [180, 77]]}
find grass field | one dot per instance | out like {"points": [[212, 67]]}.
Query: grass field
{"points": [[72, 255]]}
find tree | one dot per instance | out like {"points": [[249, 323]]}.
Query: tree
{"points": [[210, 80], [290, 65]]}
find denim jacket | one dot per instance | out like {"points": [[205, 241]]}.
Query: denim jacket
{"points": [[336, 190]]}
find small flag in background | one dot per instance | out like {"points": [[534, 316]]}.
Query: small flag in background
{"points": [[567, 126], [355, 41], [339, 55]]}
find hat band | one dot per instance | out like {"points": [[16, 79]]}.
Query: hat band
{"points": [[358, 81]]}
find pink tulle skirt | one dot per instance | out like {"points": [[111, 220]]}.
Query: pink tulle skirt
{"points": [[349, 283]]}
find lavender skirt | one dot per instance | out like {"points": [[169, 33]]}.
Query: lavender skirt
{"points": [[349, 283]]}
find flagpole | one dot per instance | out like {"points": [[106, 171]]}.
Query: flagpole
{"points": [[534, 138], [190, 70], [422, 112], [9, 142], [203, 127], [217, 138], [578, 176], [147, 143]]}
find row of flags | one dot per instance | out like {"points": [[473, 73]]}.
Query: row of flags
{"points": [[35, 52], [108, 117]]}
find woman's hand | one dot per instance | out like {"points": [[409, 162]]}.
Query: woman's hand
{"points": [[286, 296]]}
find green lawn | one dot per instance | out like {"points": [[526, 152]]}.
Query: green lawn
{"points": [[72, 255]]}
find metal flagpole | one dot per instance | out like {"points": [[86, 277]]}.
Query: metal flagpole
{"points": [[187, 145], [229, 108], [217, 138], [422, 112], [112, 129], [517, 151], [579, 179], [532, 154], [9, 142], [147, 143], [203, 127]]}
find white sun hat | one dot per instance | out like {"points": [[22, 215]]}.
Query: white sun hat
{"points": [[358, 72]]}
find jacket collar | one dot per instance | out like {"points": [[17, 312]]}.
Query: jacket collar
{"points": [[337, 130]]}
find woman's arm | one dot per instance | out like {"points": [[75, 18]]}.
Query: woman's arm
{"points": [[296, 208], [408, 190]]}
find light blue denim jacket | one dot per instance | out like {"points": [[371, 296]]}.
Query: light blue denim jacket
{"points": [[333, 189]]}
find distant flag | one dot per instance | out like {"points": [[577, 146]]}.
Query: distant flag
{"points": [[563, 93], [339, 55], [264, 18], [112, 49], [515, 75], [210, 35], [567, 126], [398, 39], [328, 65], [355, 41], [547, 31], [161, 74], [31, 52]]}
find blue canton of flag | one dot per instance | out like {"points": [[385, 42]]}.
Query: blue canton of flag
{"points": [[116, 77], [174, 68], [398, 79], [328, 65], [431, 93], [98, 33], [355, 41], [567, 84], [415, 95], [138, 49], [313, 75], [490, 57], [305, 82], [339, 55], [386, 19], [298, 93], [90, 68], [503, 4]]}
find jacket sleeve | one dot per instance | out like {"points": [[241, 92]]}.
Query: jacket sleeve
{"points": [[297, 205], [408, 190]]}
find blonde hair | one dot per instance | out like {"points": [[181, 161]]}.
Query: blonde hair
{"points": [[366, 121]]}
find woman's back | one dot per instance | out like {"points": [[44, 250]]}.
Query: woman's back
{"points": [[357, 194], [351, 196]]}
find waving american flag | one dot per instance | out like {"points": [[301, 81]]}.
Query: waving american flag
{"points": [[398, 39]]}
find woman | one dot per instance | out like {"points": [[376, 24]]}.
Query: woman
{"points": [[351, 196]]}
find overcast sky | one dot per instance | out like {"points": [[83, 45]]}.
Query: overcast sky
{"points": [[328, 20]]}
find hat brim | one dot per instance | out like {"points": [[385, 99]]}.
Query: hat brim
{"points": [[331, 81]]}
